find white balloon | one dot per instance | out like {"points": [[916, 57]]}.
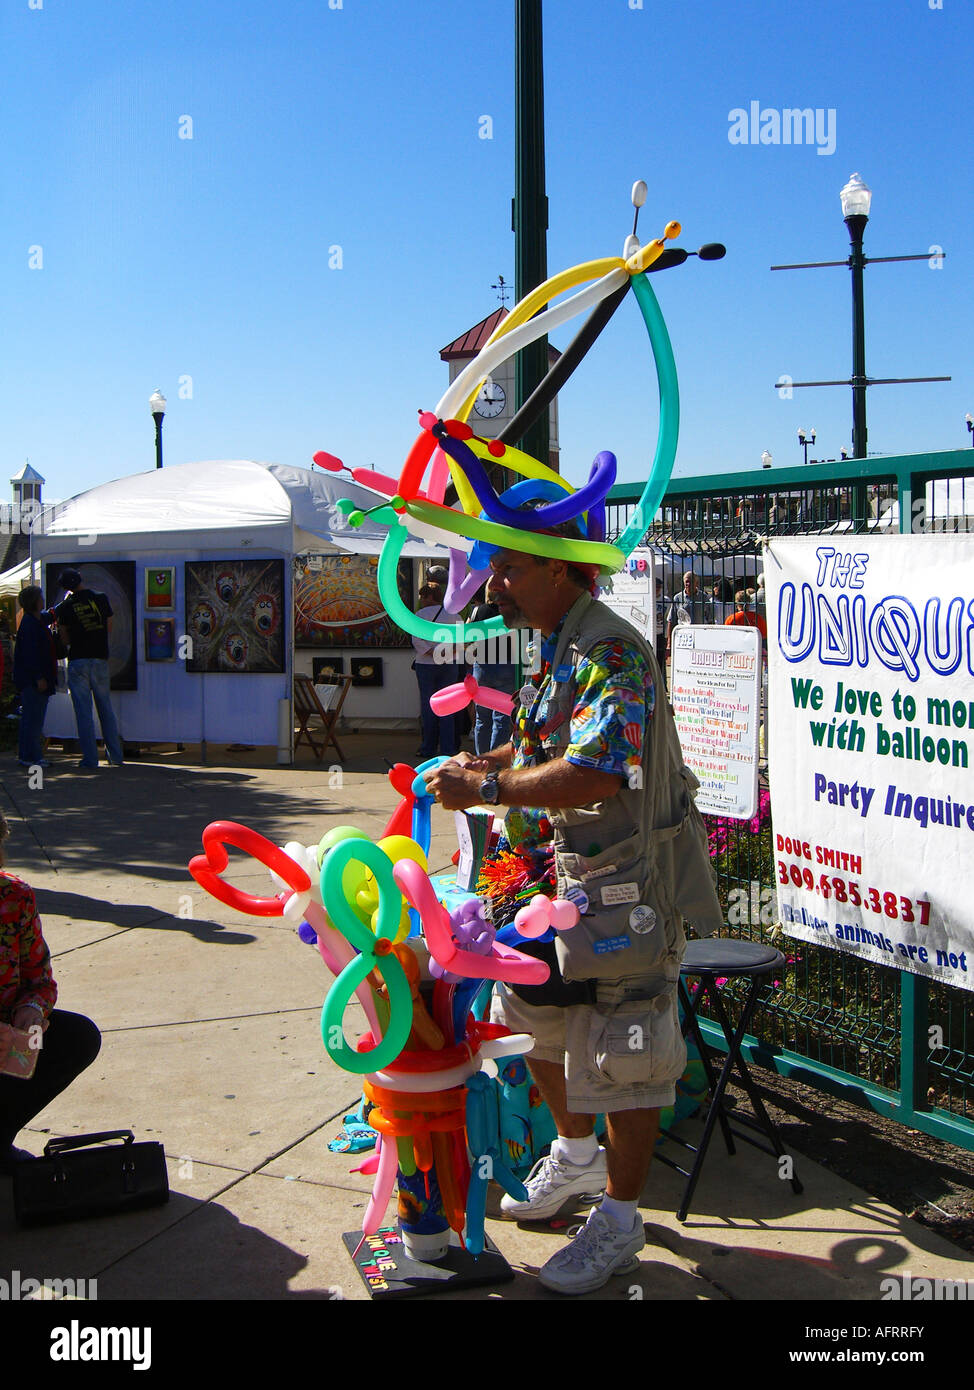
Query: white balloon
{"points": [[506, 346], [296, 906]]}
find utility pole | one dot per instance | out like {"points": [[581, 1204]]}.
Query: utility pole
{"points": [[530, 209]]}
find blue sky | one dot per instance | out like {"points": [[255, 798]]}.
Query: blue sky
{"points": [[358, 127]]}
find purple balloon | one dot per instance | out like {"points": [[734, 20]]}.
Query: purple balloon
{"points": [[307, 934]]}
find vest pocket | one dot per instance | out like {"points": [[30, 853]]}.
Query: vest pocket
{"points": [[625, 922]]}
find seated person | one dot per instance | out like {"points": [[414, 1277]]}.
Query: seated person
{"points": [[69, 1042]]}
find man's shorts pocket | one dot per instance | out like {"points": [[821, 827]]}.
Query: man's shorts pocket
{"points": [[638, 1042]]}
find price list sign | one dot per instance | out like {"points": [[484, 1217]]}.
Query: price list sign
{"points": [[716, 698]]}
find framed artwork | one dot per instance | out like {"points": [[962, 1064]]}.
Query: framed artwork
{"points": [[337, 603], [323, 668], [160, 639], [366, 670], [116, 580], [160, 585], [235, 616]]}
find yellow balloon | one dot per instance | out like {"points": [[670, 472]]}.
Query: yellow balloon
{"points": [[367, 898], [533, 301], [404, 923], [396, 847]]}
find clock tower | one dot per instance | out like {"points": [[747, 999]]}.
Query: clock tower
{"points": [[494, 407]]}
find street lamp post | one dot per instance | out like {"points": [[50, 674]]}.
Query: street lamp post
{"points": [[856, 199], [970, 427], [765, 459], [157, 405], [805, 439]]}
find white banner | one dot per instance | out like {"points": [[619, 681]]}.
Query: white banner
{"points": [[871, 656]]}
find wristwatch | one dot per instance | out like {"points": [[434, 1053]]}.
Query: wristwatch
{"points": [[489, 790]]}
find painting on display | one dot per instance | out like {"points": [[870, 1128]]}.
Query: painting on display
{"points": [[366, 670], [160, 639], [116, 580], [235, 616], [160, 588], [326, 668], [337, 603]]}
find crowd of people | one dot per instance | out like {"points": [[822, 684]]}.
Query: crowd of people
{"points": [[692, 603]]}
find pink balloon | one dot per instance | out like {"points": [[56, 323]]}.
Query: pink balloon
{"points": [[532, 920], [563, 914], [370, 1162], [503, 962], [456, 697], [453, 697], [385, 1181], [501, 700], [439, 478]]}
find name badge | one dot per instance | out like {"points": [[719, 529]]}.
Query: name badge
{"points": [[614, 894], [527, 695], [611, 943], [563, 673]]}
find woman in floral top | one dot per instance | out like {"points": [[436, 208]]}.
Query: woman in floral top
{"points": [[67, 1042]]}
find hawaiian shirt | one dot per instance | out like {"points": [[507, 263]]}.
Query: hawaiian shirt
{"points": [[25, 962], [615, 698]]}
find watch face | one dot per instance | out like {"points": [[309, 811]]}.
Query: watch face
{"points": [[491, 399]]}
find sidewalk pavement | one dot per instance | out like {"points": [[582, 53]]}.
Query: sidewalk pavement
{"points": [[211, 1044]]}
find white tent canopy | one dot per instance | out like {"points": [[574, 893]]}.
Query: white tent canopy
{"points": [[225, 509], [235, 495], [14, 580]]}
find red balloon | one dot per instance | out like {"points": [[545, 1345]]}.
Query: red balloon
{"points": [[328, 461], [457, 429]]}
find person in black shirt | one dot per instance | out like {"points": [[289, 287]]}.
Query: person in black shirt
{"points": [[85, 623]]}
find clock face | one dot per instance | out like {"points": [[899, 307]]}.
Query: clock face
{"points": [[491, 400]]}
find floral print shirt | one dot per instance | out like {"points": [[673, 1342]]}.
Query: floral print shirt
{"points": [[614, 700], [25, 962]]}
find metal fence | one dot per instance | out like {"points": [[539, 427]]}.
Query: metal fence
{"points": [[896, 1042]]}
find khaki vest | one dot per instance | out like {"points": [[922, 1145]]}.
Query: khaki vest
{"points": [[651, 868]]}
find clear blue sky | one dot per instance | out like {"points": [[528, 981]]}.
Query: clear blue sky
{"points": [[359, 127]]}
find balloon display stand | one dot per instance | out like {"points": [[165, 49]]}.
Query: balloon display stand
{"points": [[388, 1272]]}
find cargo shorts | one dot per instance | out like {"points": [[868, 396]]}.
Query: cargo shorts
{"points": [[625, 1051]]}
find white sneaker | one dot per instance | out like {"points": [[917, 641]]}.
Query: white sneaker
{"points": [[598, 1251], [551, 1185]]}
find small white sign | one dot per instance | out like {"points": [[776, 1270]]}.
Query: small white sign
{"points": [[616, 893], [716, 699]]}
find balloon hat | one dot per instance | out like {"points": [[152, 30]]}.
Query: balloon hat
{"points": [[447, 449]]}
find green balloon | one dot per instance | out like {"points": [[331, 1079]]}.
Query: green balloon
{"points": [[335, 836], [343, 916]]}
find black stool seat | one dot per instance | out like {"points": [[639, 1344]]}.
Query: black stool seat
{"points": [[726, 957]]}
